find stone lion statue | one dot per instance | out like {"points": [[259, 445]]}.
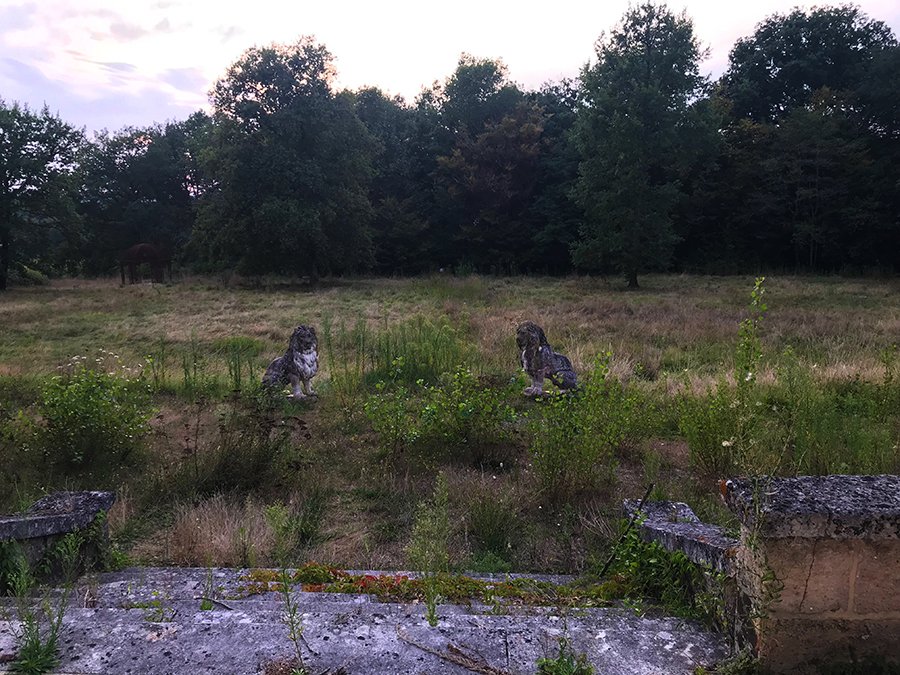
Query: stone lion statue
{"points": [[540, 361], [299, 364]]}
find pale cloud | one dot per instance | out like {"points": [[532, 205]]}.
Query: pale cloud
{"points": [[185, 79], [108, 63]]}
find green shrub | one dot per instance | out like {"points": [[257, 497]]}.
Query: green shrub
{"points": [[196, 381], [91, 421], [424, 349], [240, 354], [297, 524], [726, 428], [566, 662], [576, 437], [796, 425], [828, 428], [427, 349], [489, 563], [460, 418], [393, 414], [708, 425], [429, 546], [493, 524], [251, 442], [22, 275], [647, 572]]}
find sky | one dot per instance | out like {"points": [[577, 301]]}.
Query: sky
{"points": [[114, 63]]}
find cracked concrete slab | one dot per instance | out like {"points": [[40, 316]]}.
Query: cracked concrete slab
{"points": [[348, 631]]}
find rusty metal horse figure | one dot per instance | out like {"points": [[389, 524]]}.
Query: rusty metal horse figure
{"points": [[139, 254]]}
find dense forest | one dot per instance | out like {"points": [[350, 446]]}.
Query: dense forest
{"points": [[789, 161]]}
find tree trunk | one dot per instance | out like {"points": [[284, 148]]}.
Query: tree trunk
{"points": [[5, 242], [632, 279]]}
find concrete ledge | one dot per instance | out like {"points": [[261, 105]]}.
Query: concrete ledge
{"points": [[50, 519], [835, 507], [675, 526], [58, 513]]}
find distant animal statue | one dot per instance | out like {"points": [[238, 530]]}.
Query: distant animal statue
{"points": [[299, 364], [540, 361], [140, 254]]}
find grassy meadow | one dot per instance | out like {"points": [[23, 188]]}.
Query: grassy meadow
{"points": [[420, 377]]}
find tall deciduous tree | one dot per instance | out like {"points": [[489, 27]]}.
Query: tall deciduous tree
{"points": [[397, 224], [484, 140], [140, 185], [791, 56], [38, 153], [290, 164], [632, 132], [553, 217], [491, 177]]}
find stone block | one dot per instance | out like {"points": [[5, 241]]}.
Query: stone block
{"points": [[804, 646], [675, 526], [815, 574], [835, 507], [41, 527], [877, 587]]}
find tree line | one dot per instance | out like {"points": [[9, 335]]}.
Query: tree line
{"points": [[788, 161]]}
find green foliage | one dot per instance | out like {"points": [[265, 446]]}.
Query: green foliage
{"points": [[742, 663], [463, 417], [38, 154], [575, 438], [797, 425], [494, 525], [392, 412], [275, 108], [417, 349], [196, 382], [707, 423], [22, 275], [252, 442], [647, 572], [566, 662], [39, 616], [12, 566], [406, 352], [791, 56], [140, 185], [726, 430], [489, 562], [459, 418], [830, 428], [158, 364], [91, 421], [633, 134], [292, 618], [240, 352], [429, 546], [297, 524]]}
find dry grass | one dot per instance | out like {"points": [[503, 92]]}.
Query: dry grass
{"points": [[677, 333], [675, 323], [222, 532]]}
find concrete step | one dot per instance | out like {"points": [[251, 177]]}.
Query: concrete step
{"points": [[141, 587], [149, 621], [394, 641]]}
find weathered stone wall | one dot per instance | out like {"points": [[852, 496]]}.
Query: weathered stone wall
{"points": [[820, 561], [37, 531]]}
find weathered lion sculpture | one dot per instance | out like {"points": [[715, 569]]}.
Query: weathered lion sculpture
{"points": [[540, 361], [299, 364]]}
